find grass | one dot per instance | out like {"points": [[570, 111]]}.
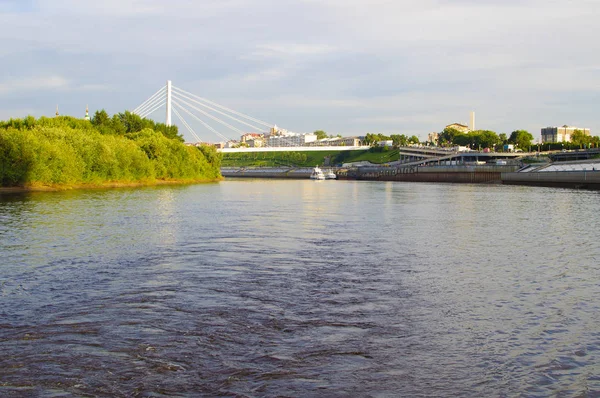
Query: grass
{"points": [[308, 158]]}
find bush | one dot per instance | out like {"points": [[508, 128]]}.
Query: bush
{"points": [[68, 151]]}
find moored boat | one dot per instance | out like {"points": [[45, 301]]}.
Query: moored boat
{"points": [[317, 174], [330, 175]]}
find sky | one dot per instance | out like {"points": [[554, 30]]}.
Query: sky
{"points": [[348, 67]]}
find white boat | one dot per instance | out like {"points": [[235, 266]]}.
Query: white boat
{"points": [[317, 174], [330, 175]]}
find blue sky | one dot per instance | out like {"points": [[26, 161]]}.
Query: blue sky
{"points": [[344, 66]]}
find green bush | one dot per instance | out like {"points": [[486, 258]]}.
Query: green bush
{"points": [[69, 151]]}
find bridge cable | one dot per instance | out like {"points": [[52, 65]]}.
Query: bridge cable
{"points": [[219, 112], [201, 121], [151, 111], [211, 116], [149, 99], [186, 125], [225, 108], [145, 114], [150, 105]]}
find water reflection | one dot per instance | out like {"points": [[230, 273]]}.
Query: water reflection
{"points": [[297, 288]]}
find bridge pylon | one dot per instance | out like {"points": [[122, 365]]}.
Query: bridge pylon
{"points": [[169, 97]]}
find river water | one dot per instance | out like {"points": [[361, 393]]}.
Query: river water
{"points": [[301, 288]]}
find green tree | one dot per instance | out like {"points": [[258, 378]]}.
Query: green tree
{"points": [[100, 118], [521, 138], [373, 139], [399, 139], [503, 139], [580, 138], [320, 134], [463, 139], [447, 136], [413, 139], [487, 138]]}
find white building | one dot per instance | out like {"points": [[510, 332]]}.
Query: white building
{"points": [[290, 139], [561, 134]]}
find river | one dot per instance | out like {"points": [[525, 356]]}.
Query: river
{"points": [[301, 288]]}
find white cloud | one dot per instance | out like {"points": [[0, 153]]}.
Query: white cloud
{"points": [[34, 84], [37, 84], [352, 64]]}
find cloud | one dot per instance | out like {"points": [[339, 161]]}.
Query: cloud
{"points": [[46, 83], [350, 65], [34, 84]]}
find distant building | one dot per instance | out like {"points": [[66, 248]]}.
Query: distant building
{"points": [[256, 142], [87, 113], [349, 141], [460, 127], [290, 139], [561, 134], [433, 137], [250, 136], [337, 141]]}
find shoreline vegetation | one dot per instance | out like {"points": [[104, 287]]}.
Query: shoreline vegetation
{"points": [[375, 155], [125, 150]]}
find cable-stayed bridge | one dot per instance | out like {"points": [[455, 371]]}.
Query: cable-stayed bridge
{"points": [[208, 113]]}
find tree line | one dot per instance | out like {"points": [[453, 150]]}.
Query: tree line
{"points": [[122, 148], [480, 139], [484, 138]]}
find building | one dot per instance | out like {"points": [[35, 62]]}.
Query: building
{"points": [[250, 136], [460, 127], [290, 139], [256, 142], [433, 137], [561, 134], [337, 141], [348, 141]]}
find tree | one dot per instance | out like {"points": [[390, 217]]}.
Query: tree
{"points": [[503, 139], [399, 139], [580, 138], [521, 138], [100, 118], [463, 139], [487, 138], [447, 136], [413, 139], [373, 139], [320, 134]]}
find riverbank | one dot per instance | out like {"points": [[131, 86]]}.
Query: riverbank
{"points": [[108, 185], [446, 174]]}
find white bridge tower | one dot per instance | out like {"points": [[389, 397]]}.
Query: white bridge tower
{"points": [[168, 121]]}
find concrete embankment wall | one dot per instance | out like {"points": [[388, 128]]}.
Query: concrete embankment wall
{"points": [[266, 172], [457, 174], [454, 174], [566, 179]]}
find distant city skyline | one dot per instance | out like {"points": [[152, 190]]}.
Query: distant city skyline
{"points": [[348, 67]]}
